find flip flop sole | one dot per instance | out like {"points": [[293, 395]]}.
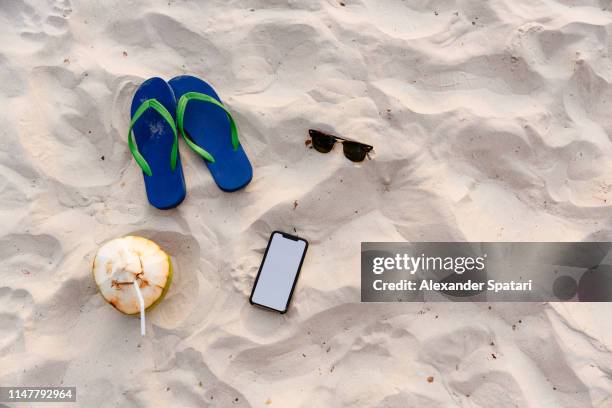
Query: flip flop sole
{"points": [[209, 128], [154, 137]]}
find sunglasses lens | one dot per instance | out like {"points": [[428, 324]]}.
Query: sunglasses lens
{"points": [[321, 142], [355, 151]]}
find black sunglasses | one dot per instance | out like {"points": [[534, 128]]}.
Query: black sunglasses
{"points": [[324, 143]]}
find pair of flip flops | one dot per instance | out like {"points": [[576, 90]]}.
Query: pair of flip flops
{"points": [[204, 123]]}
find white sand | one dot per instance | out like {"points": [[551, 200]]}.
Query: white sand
{"points": [[491, 121]]}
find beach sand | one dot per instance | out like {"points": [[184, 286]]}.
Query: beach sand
{"points": [[491, 121]]}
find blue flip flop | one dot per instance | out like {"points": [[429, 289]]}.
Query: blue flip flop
{"points": [[153, 141], [209, 129]]}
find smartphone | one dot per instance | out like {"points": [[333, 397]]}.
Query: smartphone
{"points": [[279, 271]]}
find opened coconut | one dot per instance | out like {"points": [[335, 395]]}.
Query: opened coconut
{"points": [[132, 272]]}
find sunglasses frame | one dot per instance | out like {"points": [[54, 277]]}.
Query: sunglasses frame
{"points": [[313, 133]]}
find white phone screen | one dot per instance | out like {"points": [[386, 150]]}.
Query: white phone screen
{"points": [[279, 271]]}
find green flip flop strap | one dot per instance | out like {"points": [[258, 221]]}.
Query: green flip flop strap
{"points": [[180, 114], [161, 109]]}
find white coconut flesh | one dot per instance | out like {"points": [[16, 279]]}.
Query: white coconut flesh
{"points": [[122, 261]]}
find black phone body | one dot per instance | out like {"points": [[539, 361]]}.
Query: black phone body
{"points": [[279, 272]]}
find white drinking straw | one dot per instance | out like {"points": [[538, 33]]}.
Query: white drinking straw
{"points": [[142, 308]]}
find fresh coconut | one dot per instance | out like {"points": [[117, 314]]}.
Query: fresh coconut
{"points": [[121, 262]]}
